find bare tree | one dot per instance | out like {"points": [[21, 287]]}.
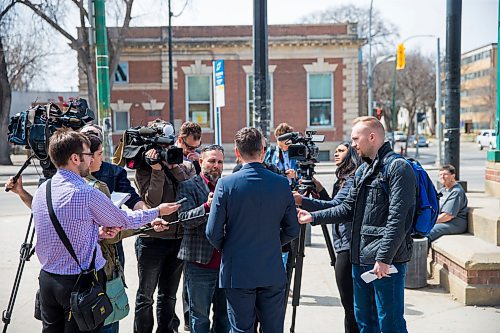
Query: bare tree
{"points": [[20, 56], [383, 31], [53, 13]]}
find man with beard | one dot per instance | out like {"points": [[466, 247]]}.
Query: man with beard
{"points": [[202, 260], [80, 210]]}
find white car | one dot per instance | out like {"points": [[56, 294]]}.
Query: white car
{"points": [[399, 136], [486, 138]]}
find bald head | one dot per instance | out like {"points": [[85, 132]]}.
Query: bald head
{"points": [[368, 136]]}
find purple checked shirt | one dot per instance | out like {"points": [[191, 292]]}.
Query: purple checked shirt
{"points": [[81, 209]]}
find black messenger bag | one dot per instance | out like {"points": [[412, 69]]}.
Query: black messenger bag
{"points": [[89, 304]]}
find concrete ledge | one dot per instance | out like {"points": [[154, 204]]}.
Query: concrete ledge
{"points": [[484, 223], [469, 252], [485, 295], [468, 267]]}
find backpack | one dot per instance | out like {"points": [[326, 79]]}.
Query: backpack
{"points": [[427, 198]]}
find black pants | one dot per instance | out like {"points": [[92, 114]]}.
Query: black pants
{"points": [[158, 266], [343, 276], [55, 291]]}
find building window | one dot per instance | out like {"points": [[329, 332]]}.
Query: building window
{"points": [[320, 100], [121, 122], [121, 74], [250, 100], [199, 100]]}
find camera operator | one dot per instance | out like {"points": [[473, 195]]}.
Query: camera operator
{"points": [[189, 140], [81, 209], [278, 155], [158, 265]]}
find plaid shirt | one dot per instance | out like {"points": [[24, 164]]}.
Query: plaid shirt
{"points": [[81, 209]]}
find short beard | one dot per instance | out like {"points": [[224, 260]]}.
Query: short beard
{"points": [[212, 176]]}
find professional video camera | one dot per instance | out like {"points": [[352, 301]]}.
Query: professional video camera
{"points": [[158, 135], [304, 150], [32, 128]]}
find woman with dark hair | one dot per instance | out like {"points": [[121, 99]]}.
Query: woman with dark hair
{"points": [[347, 161]]}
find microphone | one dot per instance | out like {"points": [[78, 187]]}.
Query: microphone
{"points": [[168, 130], [288, 136]]}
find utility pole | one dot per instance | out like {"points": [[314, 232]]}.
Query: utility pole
{"points": [[452, 111], [260, 61], [439, 126], [102, 71], [170, 69], [370, 74]]}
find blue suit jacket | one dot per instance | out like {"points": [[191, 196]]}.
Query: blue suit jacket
{"points": [[252, 215]]}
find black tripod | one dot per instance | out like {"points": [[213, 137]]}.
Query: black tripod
{"points": [[295, 260], [26, 250]]}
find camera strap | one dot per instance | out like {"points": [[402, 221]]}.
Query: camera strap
{"points": [[60, 231]]}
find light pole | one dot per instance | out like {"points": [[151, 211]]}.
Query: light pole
{"points": [[370, 97], [170, 69], [439, 127]]}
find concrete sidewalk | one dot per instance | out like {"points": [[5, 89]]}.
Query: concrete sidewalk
{"points": [[427, 310]]}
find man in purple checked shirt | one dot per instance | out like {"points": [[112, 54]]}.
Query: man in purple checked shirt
{"points": [[80, 209]]}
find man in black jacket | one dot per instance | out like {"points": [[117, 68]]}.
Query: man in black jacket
{"points": [[380, 205]]}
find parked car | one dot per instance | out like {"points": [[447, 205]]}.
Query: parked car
{"points": [[399, 136], [486, 138], [422, 141]]}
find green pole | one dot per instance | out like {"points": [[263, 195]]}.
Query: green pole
{"points": [[494, 155], [101, 51]]}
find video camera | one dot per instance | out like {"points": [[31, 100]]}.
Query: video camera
{"points": [[158, 135], [304, 150], [32, 128]]}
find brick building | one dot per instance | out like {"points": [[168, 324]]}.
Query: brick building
{"points": [[313, 73], [478, 88]]}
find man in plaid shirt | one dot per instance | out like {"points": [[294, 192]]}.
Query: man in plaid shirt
{"points": [[202, 260]]}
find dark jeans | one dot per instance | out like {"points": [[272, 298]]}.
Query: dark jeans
{"points": [[111, 328], [157, 266], [243, 305], [343, 276], [379, 305], [55, 291], [203, 291]]}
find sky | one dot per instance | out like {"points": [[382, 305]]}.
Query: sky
{"points": [[421, 17]]}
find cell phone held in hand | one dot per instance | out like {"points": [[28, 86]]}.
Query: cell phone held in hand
{"points": [[181, 201], [369, 276]]}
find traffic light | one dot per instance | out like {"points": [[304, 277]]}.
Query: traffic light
{"points": [[379, 113], [400, 56]]}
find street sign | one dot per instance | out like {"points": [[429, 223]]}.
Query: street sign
{"points": [[219, 83]]}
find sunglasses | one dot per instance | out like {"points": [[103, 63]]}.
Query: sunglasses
{"points": [[213, 147], [189, 146], [88, 154]]}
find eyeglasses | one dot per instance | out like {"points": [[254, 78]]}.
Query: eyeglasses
{"points": [[189, 146], [88, 154], [213, 147]]}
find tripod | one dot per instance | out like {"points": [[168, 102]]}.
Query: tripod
{"points": [[295, 260], [26, 250]]}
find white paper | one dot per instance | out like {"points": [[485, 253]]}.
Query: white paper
{"points": [[119, 198], [369, 276]]}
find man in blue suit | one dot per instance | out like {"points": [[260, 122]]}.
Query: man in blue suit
{"points": [[252, 215]]}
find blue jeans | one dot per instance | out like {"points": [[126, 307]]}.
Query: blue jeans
{"points": [[111, 328], [203, 290], [379, 305]]}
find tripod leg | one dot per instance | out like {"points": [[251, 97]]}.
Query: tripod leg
{"points": [[329, 245], [297, 278], [25, 254]]}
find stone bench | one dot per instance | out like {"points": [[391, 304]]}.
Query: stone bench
{"points": [[468, 267]]}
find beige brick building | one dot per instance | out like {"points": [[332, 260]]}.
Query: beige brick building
{"points": [[478, 88], [313, 78]]}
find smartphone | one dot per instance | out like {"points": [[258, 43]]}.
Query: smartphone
{"points": [[180, 202]]}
